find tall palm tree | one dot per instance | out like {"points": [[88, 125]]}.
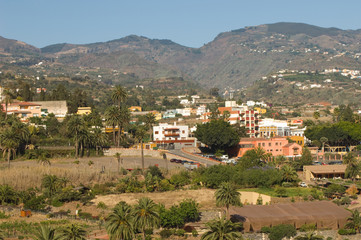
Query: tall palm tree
{"points": [[149, 120], [100, 139], [45, 232], [75, 126], [222, 229], [353, 166], [354, 222], [119, 95], [9, 142], [139, 135], [227, 195], [289, 174], [261, 154], [112, 118], [8, 96], [73, 232], [119, 223], [146, 215], [309, 236], [124, 118]]}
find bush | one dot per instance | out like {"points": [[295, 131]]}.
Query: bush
{"points": [[155, 172], [181, 179], [165, 233], [178, 215], [345, 200], [278, 232], [287, 184], [308, 227], [281, 192], [346, 231], [4, 216], [35, 203], [194, 233], [265, 229], [180, 232]]}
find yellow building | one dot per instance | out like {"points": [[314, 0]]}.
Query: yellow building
{"points": [[84, 110], [267, 131], [299, 140], [260, 110], [135, 109]]}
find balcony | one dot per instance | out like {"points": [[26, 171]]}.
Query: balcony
{"points": [[171, 134]]}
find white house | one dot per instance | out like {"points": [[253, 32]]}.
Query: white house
{"points": [[170, 136]]}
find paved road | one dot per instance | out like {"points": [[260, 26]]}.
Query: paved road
{"points": [[192, 157]]}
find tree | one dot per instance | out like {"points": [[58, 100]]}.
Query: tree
{"points": [[73, 232], [51, 183], [99, 139], [354, 222], [149, 121], [289, 174], [8, 96], [146, 215], [227, 195], [75, 125], [9, 142], [45, 232], [214, 92], [119, 224], [353, 166], [222, 229], [140, 133], [124, 118], [112, 118], [119, 95], [7, 195], [316, 115], [217, 134]]}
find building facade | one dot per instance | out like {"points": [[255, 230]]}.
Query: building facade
{"points": [[174, 136]]}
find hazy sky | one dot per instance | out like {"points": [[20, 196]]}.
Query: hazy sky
{"points": [[188, 22]]}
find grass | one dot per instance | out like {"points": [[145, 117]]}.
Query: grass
{"points": [[291, 192]]}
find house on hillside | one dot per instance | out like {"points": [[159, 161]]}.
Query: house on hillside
{"points": [[58, 108], [24, 110]]}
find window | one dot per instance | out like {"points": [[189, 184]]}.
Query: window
{"points": [[276, 143], [269, 144], [183, 131], [156, 132], [263, 144]]}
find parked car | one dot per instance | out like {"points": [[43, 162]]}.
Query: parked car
{"points": [[178, 161], [224, 157], [303, 184], [173, 160]]}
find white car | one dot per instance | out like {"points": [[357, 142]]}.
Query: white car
{"points": [[224, 157], [303, 184]]}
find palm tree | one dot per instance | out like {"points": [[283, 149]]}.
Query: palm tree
{"points": [[227, 195], [261, 154], [75, 126], [119, 223], [139, 135], [149, 120], [100, 139], [1, 235], [289, 174], [146, 215], [7, 195], [9, 142], [124, 118], [8, 96], [309, 236], [73, 232], [112, 118], [117, 155], [119, 95], [353, 166], [45, 232], [354, 222], [51, 183], [222, 229]]}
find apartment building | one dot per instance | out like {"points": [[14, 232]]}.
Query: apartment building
{"points": [[168, 136]]}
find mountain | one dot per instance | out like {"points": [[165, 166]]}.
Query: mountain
{"points": [[234, 59]]}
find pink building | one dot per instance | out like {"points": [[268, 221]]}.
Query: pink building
{"points": [[24, 110], [277, 146]]}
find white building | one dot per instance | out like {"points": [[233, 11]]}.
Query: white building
{"points": [[174, 136], [201, 110], [270, 125], [185, 112]]}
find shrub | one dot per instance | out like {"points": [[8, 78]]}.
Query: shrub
{"points": [[281, 192], [101, 205], [278, 232], [308, 227], [265, 229], [194, 233], [287, 184], [180, 232], [35, 203], [4, 216], [165, 233], [155, 172], [346, 231], [181, 179], [345, 200], [164, 185]]}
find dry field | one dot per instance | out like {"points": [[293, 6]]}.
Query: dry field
{"points": [[27, 174], [205, 198]]}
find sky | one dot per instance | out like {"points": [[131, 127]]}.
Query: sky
{"points": [[191, 23]]}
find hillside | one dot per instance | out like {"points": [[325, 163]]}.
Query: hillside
{"points": [[234, 59]]}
